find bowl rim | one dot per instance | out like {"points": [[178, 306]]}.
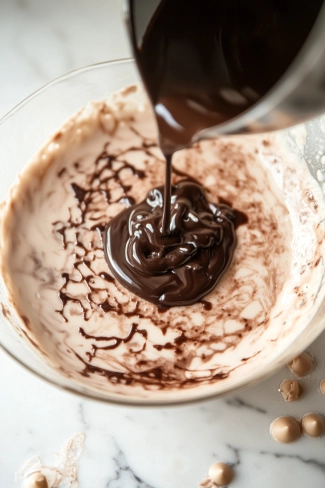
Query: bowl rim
{"points": [[61, 78]]}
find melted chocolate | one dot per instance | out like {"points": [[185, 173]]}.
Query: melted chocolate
{"points": [[182, 266], [203, 63]]}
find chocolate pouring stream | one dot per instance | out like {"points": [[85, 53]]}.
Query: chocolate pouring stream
{"points": [[203, 63]]}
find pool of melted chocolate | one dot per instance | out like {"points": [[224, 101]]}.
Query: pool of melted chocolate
{"points": [[178, 268]]}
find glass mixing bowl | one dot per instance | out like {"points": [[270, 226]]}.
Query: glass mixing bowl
{"points": [[25, 129]]}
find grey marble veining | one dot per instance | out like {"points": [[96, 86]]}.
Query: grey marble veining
{"points": [[132, 447]]}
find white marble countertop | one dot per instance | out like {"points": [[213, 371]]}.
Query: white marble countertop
{"points": [[131, 447]]}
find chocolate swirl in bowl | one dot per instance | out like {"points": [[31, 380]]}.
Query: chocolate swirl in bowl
{"points": [[178, 268]]}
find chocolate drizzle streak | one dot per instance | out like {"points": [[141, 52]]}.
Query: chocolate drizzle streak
{"points": [[156, 377], [114, 341]]}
